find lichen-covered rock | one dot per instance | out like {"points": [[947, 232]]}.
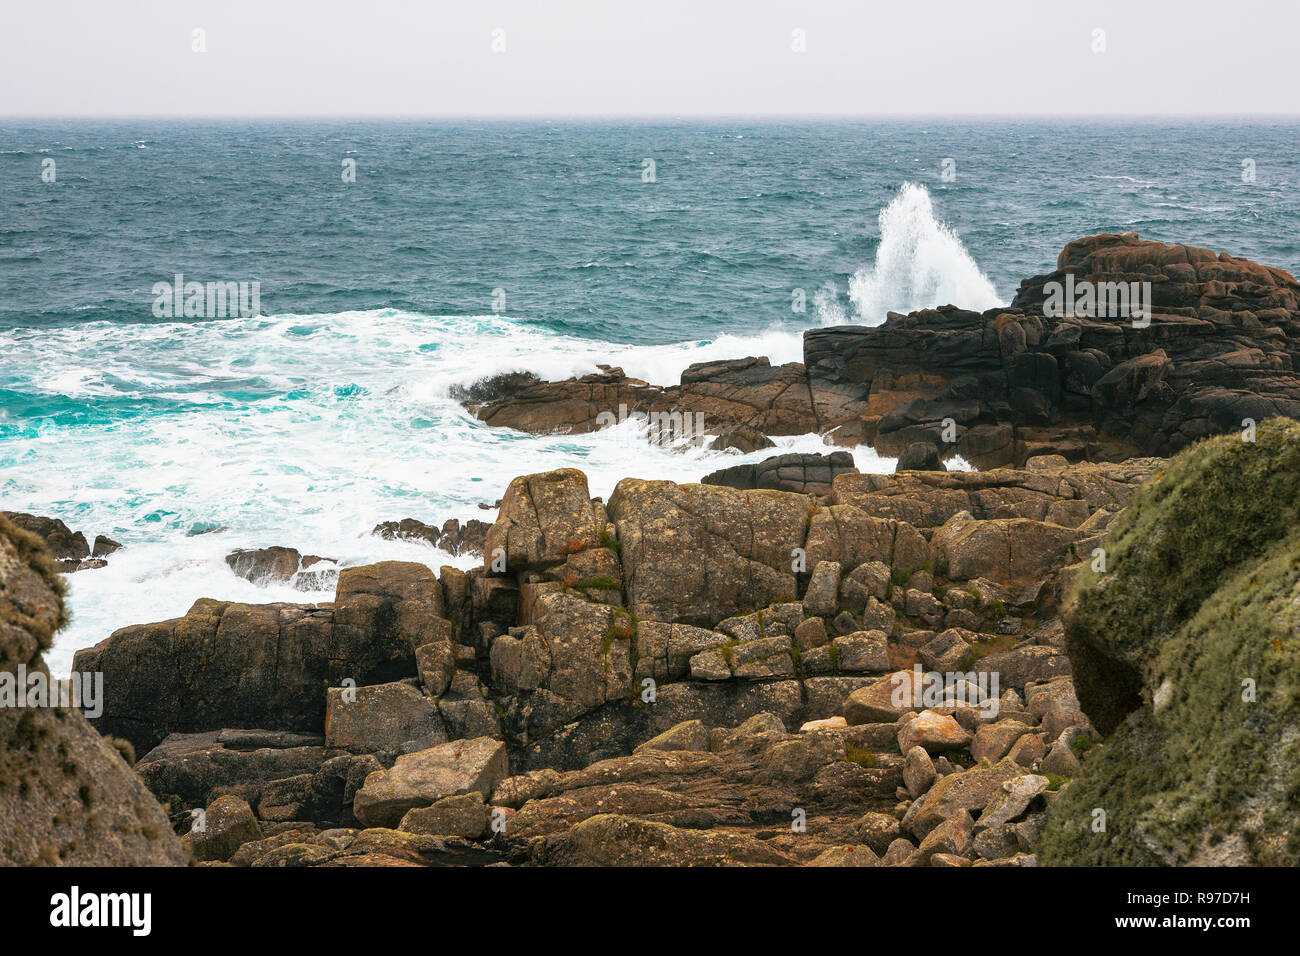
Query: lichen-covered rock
{"points": [[427, 776], [464, 815], [221, 829], [393, 716], [1185, 649], [696, 554], [543, 519], [613, 840]]}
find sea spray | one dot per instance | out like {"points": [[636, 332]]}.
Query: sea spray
{"points": [[920, 263]]}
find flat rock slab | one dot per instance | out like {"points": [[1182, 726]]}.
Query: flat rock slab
{"points": [[427, 776]]}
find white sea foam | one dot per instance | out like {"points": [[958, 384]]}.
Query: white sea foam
{"points": [[920, 263]]}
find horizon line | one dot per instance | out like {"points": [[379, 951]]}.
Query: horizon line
{"points": [[651, 117]]}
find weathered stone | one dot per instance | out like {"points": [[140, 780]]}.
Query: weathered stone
{"points": [[393, 716], [934, 732], [688, 735], [464, 815], [421, 779], [918, 771], [226, 824], [543, 519], [68, 796], [862, 651], [697, 554], [822, 596]]}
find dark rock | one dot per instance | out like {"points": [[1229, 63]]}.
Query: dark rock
{"points": [[921, 456], [59, 539]]}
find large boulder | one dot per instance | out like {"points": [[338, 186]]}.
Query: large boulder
{"points": [[696, 554], [543, 519], [226, 664], [423, 778], [67, 795]]}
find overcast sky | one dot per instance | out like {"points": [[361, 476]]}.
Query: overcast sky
{"points": [[661, 57]]}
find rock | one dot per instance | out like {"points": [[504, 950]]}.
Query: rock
{"points": [[952, 836], [436, 664], [743, 439], [884, 700], [1026, 665], [1061, 760], [276, 565], [826, 723], [465, 815], [921, 456], [822, 596], [878, 831], [934, 732], [697, 554], [1012, 801], [409, 529], [104, 546], [613, 840], [811, 633], [994, 741], [688, 735], [225, 825], [898, 852], [393, 716], [423, 778], [948, 651], [862, 651], [67, 796], [1028, 750], [809, 474], [1005, 550], [866, 582], [543, 519], [918, 771], [1010, 384], [969, 790], [994, 843], [228, 665], [849, 855], [63, 544]]}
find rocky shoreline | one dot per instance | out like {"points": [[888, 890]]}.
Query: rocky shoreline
{"points": [[791, 663]]}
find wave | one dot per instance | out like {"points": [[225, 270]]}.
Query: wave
{"points": [[920, 263]]}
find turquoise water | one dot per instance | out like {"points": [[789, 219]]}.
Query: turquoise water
{"points": [[329, 411]]}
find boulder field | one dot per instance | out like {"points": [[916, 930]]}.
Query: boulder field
{"points": [[685, 674]]}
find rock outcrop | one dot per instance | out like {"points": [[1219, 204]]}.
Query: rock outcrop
{"points": [[1222, 345], [68, 549], [67, 795], [618, 683], [792, 663]]}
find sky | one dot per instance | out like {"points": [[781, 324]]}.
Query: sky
{"points": [[669, 58]]}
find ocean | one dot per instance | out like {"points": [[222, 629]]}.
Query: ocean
{"points": [[460, 250]]}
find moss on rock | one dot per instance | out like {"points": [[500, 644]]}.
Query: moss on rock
{"points": [[1188, 648]]}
